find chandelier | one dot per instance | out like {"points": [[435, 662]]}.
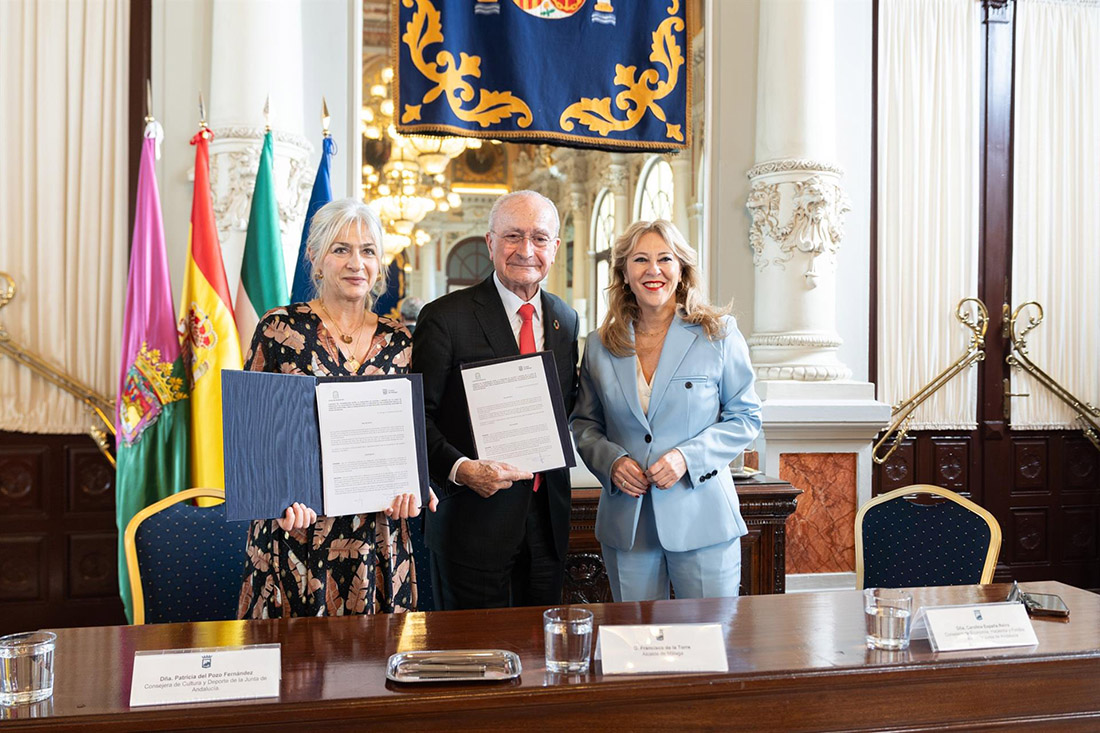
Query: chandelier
{"points": [[405, 177]]}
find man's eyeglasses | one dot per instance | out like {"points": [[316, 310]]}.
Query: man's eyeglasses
{"points": [[514, 239]]}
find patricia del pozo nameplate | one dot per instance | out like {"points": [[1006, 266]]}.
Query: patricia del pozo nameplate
{"points": [[205, 675], [662, 648]]}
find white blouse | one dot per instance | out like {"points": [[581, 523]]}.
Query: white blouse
{"points": [[645, 389]]}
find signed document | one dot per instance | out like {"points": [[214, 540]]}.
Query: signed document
{"points": [[341, 445], [517, 414], [368, 444]]}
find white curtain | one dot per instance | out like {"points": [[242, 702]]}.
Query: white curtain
{"points": [[1056, 202], [929, 61], [63, 200]]}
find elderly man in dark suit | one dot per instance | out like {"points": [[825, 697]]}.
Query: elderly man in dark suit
{"points": [[499, 536]]}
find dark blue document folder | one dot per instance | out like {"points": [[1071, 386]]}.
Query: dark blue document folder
{"points": [[272, 443]]}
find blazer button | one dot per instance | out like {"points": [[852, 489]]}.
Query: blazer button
{"points": [[702, 479], [688, 385], [648, 438]]}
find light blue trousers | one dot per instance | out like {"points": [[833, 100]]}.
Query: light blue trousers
{"points": [[643, 573]]}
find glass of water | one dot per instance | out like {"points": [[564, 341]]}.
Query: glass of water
{"points": [[888, 612], [568, 633], [26, 667]]}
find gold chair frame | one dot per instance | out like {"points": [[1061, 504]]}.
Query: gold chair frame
{"points": [[130, 545], [994, 527]]}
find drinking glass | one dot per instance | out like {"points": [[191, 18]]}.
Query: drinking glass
{"points": [[888, 612], [568, 634], [26, 667]]}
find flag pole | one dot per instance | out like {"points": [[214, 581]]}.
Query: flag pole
{"points": [[324, 117]]}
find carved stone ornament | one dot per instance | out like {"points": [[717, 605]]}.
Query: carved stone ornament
{"points": [[815, 226], [615, 178], [233, 175], [804, 372]]}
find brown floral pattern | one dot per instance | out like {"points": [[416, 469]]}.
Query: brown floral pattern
{"points": [[355, 564]]}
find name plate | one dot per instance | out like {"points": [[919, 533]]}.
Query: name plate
{"points": [[205, 675], [981, 626], [662, 648]]}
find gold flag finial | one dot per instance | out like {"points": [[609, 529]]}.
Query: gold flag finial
{"points": [[267, 114], [202, 112], [148, 101], [324, 117]]}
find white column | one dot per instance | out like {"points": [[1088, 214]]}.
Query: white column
{"points": [[579, 201], [617, 175], [681, 194], [796, 201], [256, 55], [797, 204]]}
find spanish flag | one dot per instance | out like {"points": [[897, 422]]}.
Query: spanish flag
{"points": [[208, 333]]}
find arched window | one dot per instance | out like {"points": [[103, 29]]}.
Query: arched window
{"points": [[603, 238], [653, 198], [468, 264]]}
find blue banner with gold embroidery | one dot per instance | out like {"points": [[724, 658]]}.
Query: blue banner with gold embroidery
{"points": [[609, 74]]}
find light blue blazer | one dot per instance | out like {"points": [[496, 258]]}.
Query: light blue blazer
{"points": [[703, 403]]}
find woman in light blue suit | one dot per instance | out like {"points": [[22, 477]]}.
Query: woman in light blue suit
{"points": [[666, 402]]}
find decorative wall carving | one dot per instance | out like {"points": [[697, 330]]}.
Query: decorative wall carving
{"points": [[804, 372], [815, 225], [93, 566], [1030, 461], [22, 568], [21, 484], [234, 158], [615, 178], [1030, 531], [795, 339], [951, 461], [789, 165]]}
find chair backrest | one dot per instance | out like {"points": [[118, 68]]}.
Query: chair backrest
{"points": [[186, 562], [902, 544]]}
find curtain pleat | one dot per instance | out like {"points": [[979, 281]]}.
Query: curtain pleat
{"points": [[63, 200], [1056, 210], [929, 62]]}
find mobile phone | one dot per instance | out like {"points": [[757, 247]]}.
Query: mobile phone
{"points": [[1043, 604]]}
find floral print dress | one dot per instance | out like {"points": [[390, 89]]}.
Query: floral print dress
{"points": [[355, 564]]}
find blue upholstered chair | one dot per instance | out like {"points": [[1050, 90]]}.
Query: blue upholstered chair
{"points": [[186, 562], [900, 543]]}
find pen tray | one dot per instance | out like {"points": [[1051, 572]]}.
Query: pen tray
{"points": [[454, 665]]}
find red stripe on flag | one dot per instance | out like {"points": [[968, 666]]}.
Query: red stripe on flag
{"points": [[205, 246]]}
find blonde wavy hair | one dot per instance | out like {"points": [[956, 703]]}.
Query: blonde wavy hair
{"points": [[691, 300]]}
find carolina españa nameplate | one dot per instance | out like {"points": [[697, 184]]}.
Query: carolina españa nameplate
{"points": [[205, 675], [981, 626], [662, 648]]}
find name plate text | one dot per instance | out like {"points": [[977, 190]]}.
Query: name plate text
{"points": [[662, 648], [205, 675]]}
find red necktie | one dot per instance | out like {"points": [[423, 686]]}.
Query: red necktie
{"points": [[527, 346]]}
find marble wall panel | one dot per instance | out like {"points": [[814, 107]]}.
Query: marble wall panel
{"points": [[821, 534]]}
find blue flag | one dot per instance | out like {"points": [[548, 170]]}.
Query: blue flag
{"points": [[302, 290], [618, 77]]}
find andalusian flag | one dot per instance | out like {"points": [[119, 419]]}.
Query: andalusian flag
{"points": [[263, 276], [152, 416], [208, 334], [302, 289]]}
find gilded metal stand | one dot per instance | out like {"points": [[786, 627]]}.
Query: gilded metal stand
{"points": [[97, 404], [902, 413], [1087, 415]]}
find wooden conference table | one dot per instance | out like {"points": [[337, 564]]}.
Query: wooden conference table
{"points": [[797, 662]]}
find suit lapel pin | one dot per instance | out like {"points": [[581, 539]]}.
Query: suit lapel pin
{"points": [[556, 324]]}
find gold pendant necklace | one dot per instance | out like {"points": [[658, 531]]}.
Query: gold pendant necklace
{"points": [[351, 363]]}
